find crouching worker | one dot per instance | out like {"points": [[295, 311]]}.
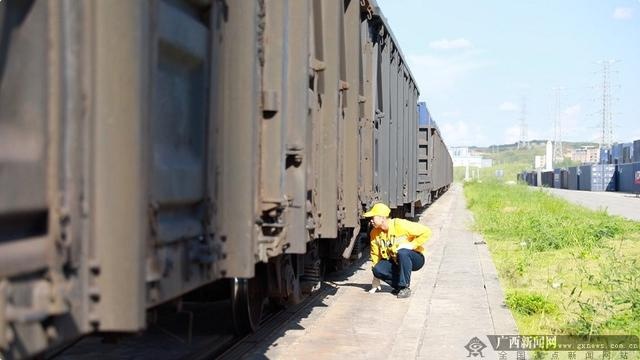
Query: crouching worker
{"points": [[396, 248]]}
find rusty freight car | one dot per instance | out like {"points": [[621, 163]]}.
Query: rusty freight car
{"points": [[152, 148]]}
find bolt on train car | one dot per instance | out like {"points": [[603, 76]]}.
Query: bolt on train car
{"points": [[152, 148]]}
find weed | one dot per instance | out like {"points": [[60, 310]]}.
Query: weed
{"points": [[542, 222], [529, 303], [566, 269]]}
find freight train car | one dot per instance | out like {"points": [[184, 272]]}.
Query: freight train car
{"points": [[151, 148], [435, 166]]}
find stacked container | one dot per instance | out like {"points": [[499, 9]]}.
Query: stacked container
{"points": [[616, 154], [627, 150], [605, 156]]}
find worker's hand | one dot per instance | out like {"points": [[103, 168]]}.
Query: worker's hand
{"points": [[375, 285]]}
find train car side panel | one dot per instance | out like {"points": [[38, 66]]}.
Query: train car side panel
{"points": [[367, 122], [296, 105], [351, 146], [234, 113], [178, 156], [328, 18], [118, 171]]}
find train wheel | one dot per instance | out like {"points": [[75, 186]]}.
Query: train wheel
{"points": [[247, 302]]}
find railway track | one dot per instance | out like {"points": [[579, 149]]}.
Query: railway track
{"points": [[165, 341], [271, 327], [275, 324]]}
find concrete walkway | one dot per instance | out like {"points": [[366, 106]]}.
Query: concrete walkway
{"points": [[615, 203], [456, 297]]}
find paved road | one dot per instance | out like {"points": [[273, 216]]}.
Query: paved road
{"points": [[456, 297], [625, 205]]}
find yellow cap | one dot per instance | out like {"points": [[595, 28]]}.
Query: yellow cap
{"points": [[378, 209]]}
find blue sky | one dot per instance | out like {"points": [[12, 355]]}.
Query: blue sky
{"points": [[475, 61]]}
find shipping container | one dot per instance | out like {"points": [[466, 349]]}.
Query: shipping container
{"points": [[532, 178], [616, 154], [573, 176], [584, 178], [547, 179], [600, 177], [629, 177], [605, 156], [564, 179], [627, 150], [636, 151], [556, 178]]}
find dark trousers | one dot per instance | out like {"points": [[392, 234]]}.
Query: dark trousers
{"points": [[399, 275]]}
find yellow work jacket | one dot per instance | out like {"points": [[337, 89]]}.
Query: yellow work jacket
{"points": [[384, 245]]}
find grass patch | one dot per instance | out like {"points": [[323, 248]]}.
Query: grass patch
{"points": [[537, 221], [565, 269], [529, 304]]}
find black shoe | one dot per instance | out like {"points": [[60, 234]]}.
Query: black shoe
{"points": [[395, 291], [404, 293]]}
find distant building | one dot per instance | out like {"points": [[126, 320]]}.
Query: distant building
{"points": [[586, 154], [461, 156]]}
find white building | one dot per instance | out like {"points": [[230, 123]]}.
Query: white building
{"points": [[586, 154], [461, 156]]}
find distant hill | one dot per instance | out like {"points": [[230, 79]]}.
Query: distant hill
{"points": [[511, 160], [566, 145]]}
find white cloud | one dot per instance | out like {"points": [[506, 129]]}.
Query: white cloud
{"points": [[437, 75], [511, 134], [446, 44], [462, 133], [508, 106], [533, 134], [593, 136], [570, 117], [622, 13]]}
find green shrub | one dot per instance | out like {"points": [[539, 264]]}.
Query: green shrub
{"points": [[529, 303]]}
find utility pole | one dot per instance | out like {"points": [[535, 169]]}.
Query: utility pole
{"points": [[523, 143], [606, 123], [557, 126]]}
